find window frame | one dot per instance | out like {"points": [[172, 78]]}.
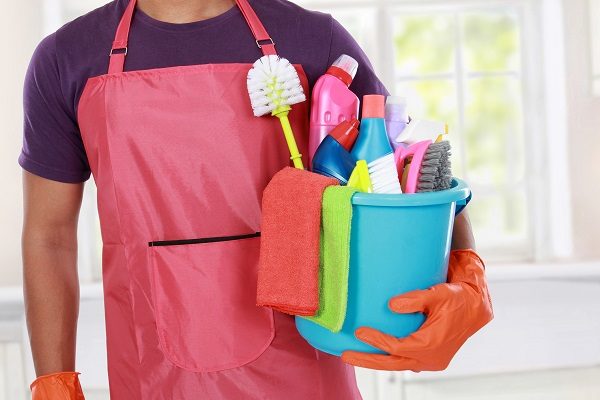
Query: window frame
{"points": [[460, 77], [544, 109]]}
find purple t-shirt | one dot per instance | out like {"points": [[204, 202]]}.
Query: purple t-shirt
{"points": [[63, 62]]}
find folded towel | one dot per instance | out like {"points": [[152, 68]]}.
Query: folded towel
{"points": [[288, 272], [335, 257]]}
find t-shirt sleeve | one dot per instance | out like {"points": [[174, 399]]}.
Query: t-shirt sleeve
{"points": [[52, 145], [366, 80]]}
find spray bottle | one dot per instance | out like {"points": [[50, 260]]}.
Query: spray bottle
{"points": [[396, 118], [374, 147], [332, 101]]}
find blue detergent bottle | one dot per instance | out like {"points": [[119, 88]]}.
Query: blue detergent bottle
{"points": [[373, 146], [333, 157]]}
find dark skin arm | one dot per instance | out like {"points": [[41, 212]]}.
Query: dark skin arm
{"points": [[51, 285], [462, 235]]}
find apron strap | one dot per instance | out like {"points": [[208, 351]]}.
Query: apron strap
{"points": [[119, 47], [257, 28]]}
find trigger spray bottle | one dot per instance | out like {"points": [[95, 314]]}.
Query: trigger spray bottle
{"points": [[374, 147]]}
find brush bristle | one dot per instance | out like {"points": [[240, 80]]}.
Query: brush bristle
{"points": [[273, 82], [436, 172]]}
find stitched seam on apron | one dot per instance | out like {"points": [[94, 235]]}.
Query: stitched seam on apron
{"points": [[125, 251]]}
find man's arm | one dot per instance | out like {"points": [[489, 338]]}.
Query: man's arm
{"points": [[51, 286], [462, 235]]}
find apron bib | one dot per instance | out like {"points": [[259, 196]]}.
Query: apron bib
{"points": [[180, 164]]}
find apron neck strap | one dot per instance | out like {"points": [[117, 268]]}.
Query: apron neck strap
{"points": [[119, 47]]}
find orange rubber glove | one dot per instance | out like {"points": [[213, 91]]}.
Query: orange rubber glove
{"points": [[58, 386], [454, 310]]}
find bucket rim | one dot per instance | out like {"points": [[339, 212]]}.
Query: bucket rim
{"points": [[458, 191]]}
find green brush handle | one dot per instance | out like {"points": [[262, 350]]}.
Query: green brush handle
{"points": [[282, 113]]}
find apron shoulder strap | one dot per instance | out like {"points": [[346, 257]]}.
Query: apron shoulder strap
{"points": [[263, 40], [118, 51], [119, 46]]}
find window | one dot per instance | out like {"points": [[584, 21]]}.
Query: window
{"points": [[464, 68], [460, 63]]}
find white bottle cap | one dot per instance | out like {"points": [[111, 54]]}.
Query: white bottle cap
{"points": [[397, 100], [348, 64], [396, 109]]}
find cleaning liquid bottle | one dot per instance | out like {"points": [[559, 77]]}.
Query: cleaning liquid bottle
{"points": [[333, 157], [374, 147], [396, 118], [332, 101]]}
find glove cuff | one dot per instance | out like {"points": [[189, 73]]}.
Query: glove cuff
{"points": [[62, 377], [465, 265], [468, 253]]}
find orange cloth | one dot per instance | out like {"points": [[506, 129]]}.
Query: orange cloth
{"points": [[454, 310], [58, 386], [288, 272]]}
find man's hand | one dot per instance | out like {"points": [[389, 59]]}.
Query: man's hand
{"points": [[454, 310]]}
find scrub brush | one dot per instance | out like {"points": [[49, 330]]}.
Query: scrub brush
{"points": [[424, 166], [274, 86], [444, 176]]}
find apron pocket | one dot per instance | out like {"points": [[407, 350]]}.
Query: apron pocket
{"points": [[204, 293]]}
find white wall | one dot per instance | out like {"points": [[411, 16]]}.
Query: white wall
{"points": [[20, 28], [584, 130]]}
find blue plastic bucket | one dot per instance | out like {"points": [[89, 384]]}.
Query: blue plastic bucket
{"points": [[399, 243]]}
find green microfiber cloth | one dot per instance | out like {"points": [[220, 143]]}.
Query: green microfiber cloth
{"points": [[334, 257]]}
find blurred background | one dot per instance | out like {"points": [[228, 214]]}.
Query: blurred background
{"points": [[518, 82]]}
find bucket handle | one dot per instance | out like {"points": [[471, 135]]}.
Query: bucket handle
{"points": [[462, 204]]}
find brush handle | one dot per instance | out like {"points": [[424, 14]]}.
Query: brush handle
{"points": [[296, 157]]}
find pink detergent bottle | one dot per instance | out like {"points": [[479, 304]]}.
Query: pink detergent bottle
{"points": [[332, 101]]}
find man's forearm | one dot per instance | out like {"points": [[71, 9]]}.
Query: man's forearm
{"points": [[462, 235], [49, 244], [51, 291]]}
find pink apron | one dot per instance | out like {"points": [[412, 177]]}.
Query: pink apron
{"points": [[180, 164]]}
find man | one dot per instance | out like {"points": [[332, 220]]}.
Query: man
{"points": [[152, 118]]}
